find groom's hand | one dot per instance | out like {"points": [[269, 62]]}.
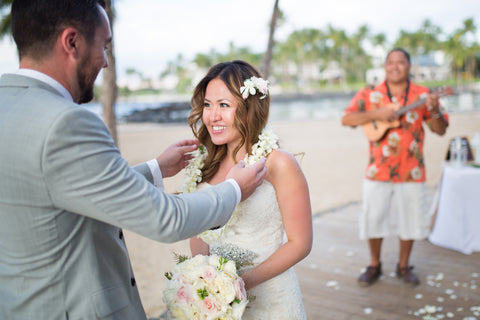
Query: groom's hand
{"points": [[176, 157], [249, 178]]}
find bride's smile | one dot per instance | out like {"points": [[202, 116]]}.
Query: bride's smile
{"points": [[219, 110]]}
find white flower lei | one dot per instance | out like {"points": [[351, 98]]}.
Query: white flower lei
{"points": [[267, 142]]}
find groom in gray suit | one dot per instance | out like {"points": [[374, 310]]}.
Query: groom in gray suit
{"points": [[66, 192]]}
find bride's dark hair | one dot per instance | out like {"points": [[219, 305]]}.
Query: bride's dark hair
{"points": [[250, 118]]}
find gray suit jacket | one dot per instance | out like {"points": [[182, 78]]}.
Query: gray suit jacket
{"points": [[65, 195]]}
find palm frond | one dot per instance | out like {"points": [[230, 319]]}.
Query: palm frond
{"points": [[5, 26]]}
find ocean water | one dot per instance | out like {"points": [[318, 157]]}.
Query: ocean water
{"points": [[319, 108]]}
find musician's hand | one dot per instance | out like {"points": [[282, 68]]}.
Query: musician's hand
{"points": [[386, 114], [432, 103]]}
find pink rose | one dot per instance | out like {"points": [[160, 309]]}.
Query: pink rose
{"points": [[184, 294], [209, 305], [209, 273], [239, 286]]}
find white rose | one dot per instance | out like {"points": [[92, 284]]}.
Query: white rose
{"points": [[223, 286], [238, 309], [230, 267]]}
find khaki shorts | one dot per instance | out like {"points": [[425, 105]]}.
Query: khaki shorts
{"points": [[394, 209]]}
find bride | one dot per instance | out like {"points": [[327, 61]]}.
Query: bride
{"points": [[271, 231]]}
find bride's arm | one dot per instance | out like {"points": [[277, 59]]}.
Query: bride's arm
{"points": [[198, 246], [293, 197]]}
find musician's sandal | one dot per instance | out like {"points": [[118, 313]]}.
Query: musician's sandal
{"points": [[370, 276], [408, 277]]}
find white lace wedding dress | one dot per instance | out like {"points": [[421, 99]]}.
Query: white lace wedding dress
{"points": [[254, 232]]}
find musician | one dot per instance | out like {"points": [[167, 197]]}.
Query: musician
{"points": [[394, 186]]}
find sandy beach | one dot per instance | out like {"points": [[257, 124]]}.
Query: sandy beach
{"points": [[333, 159]]}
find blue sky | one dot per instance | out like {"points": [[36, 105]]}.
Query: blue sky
{"points": [[149, 33]]}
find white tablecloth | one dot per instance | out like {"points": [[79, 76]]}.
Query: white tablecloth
{"points": [[457, 225]]}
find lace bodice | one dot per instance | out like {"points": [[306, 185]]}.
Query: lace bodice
{"points": [[255, 221]]}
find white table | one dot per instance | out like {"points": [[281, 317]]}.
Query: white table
{"points": [[457, 225]]}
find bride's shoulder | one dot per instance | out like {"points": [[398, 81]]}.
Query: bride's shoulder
{"points": [[281, 161]]}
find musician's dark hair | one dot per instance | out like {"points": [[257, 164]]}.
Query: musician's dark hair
{"points": [[407, 55], [36, 24]]}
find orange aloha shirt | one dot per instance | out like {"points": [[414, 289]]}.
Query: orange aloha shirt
{"points": [[398, 155]]}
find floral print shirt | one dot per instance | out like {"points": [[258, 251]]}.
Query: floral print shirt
{"points": [[398, 155]]}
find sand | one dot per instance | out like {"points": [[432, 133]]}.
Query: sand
{"points": [[333, 161]]}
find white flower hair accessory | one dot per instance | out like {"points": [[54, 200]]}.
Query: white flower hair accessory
{"points": [[250, 87]]}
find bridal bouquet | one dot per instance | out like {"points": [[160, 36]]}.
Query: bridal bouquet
{"points": [[205, 287]]}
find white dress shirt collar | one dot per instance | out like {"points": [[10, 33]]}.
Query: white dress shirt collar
{"points": [[47, 79]]}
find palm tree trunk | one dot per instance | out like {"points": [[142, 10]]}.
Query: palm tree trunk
{"points": [[269, 53], [109, 85]]}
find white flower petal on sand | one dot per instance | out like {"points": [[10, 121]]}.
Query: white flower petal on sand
{"points": [[450, 314], [332, 283], [367, 310], [430, 309], [418, 296]]}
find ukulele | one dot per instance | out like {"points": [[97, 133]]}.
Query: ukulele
{"points": [[376, 129]]}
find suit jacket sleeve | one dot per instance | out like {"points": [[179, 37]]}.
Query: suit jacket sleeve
{"points": [[85, 174], [144, 170]]}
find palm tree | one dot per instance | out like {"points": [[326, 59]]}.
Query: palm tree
{"points": [[471, 48], [269, 54], [109, 85], [461, 50], [109, 88]]}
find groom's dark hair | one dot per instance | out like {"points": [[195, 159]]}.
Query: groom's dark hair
{"points": [[36, 24]]}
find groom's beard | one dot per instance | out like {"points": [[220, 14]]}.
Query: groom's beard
{"points": [[86, 80]]}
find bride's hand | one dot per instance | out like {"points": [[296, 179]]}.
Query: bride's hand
{"points": [[176, 157]]}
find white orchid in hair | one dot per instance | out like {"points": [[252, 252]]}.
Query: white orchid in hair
{"points": [[250, 87]]}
